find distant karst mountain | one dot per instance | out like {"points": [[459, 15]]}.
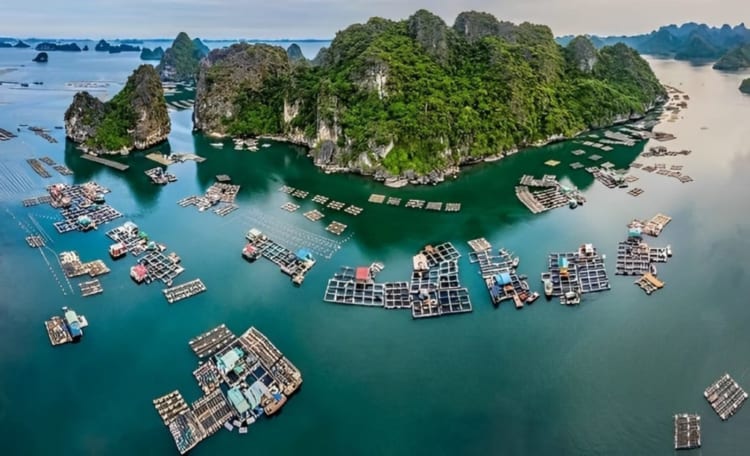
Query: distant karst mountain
{"points": [[180, 61], [690, 41], [417, 97]]}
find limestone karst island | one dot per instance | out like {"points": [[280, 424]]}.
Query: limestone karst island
{"points": [[374, 228]]}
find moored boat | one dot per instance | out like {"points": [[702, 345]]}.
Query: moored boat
{"points": [[548, 288]]}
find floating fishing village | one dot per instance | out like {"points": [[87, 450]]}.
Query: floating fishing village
{"points": [[64, 216], [243, 378]]}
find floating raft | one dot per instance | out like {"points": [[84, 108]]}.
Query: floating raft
{"points": [[212, 341], [636, 192], [287, 189], [575, 273], [576, 165], [36, 165], [290, 207], [207, 376], [452, 207], [479, 245], [635, 257], [415, 204], [595, 157], [57, 332], [552, 162], [170, 406], [212, 411], [438, 291], [434, 206], [346, 288], [336, 205], [578, 152], [336, 228], [90, 288], [725, 397], [73, 267], [392, 201], [6, 135], [106, 162], [687, 431], [223, 178], [320, 199], [300, 194], [45, 199], [63, 170], [35, 241], [184, 291], [501, 278], [377, 199], [652, 227], [313, 215], [649, 283], [353, 210]]}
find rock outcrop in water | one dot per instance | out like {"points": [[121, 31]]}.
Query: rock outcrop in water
{"points": [[68, 47], [180, 61], [42, 57], [102, 46], [21, 45], [736, 59], [156, 54], [135, 118], [417, 97], [745, 86]]}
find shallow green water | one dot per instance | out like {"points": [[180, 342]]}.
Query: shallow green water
{"points": [[602, 378]]}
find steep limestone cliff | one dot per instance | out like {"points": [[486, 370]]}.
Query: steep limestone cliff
{"points": [[135, 118]]}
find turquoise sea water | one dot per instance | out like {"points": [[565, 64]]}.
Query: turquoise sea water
{"points": [[602, 378]]}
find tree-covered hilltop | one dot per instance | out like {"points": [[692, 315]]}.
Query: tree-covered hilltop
{"points": [[745, 86], [736, 59], [418, 95], [180, 61], [135, 118]]}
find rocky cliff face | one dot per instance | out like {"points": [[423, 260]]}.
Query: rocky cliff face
{"points": [[135, 118], [295, 53], [180, 61], [225, 75], [581, 54]]}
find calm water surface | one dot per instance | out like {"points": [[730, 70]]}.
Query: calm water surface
{"points": [[602, 378]]}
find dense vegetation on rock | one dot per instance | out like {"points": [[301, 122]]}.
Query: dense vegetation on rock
{"points": [[736, 59], [135, 118], [295, 53], [418, 95], [180, 61], [745, 86], [690, 41]]}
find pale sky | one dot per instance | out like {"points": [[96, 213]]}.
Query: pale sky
{"points": [[272, 19]]}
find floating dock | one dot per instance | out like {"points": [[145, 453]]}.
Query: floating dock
{"points": [[725, 397], [687, 431], [377, 199], [72, 266], [358, 287], [320, 199], [212, 341], [184, 291], [290, 207], [106, 162], [160, 177], [353, 210], [258, 380], [219, 195], [652, 227]]}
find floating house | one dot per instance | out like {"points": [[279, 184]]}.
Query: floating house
{"points": [[419, 263], [250, 252], [362, 275], [139, 273], [117, 250], [85, 223]]}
